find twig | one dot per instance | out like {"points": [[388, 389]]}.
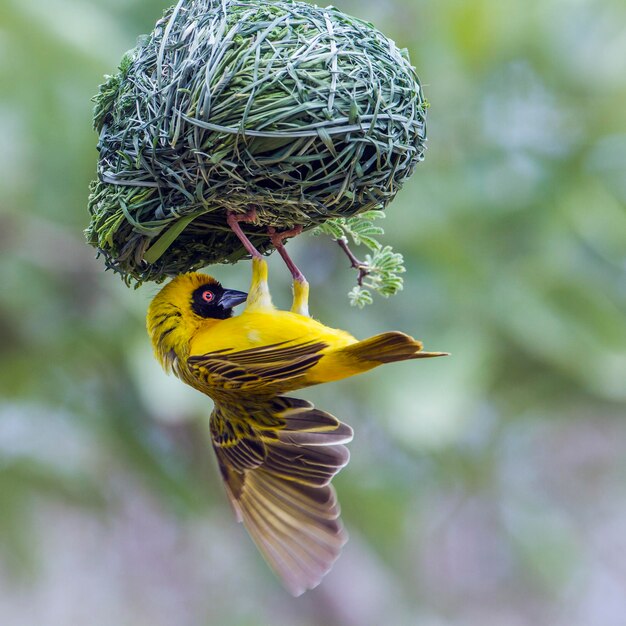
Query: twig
{"points": [[355, 263]]}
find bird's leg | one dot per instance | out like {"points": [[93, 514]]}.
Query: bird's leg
{"points": [[259, 294], [277, 241], [233, 220], [300, 285]]}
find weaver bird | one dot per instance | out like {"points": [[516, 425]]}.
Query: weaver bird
{"points": [[276, 454]]}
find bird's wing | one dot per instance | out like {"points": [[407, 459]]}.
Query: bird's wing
{"points": [[277, 460], [255, 368]]}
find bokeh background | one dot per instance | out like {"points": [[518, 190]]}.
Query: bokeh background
{"points": [[484, 489]]}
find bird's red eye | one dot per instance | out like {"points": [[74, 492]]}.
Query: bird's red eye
{"points": [[208, 296]]}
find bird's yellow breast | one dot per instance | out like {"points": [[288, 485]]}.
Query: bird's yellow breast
{"points": [[259, 328]]}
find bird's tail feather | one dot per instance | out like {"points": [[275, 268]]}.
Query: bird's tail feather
{"points": [[387, 348], [284, 496]]}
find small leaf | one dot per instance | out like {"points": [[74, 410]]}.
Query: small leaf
{"points": [[374, 214], [370, 242], [360, 297], [330, 227]]}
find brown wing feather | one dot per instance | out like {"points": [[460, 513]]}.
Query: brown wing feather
{"points": [[284, 498], [256, 368]]}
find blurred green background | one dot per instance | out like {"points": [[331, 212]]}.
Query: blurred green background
{"points": [[488, 488]]}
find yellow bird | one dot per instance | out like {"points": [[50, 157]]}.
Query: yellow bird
{"points": [[276, 454]]}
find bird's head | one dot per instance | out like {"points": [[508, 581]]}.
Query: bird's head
{"points": [[186, 303]]}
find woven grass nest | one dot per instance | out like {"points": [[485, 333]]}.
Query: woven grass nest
{"points": [[303, 113]]}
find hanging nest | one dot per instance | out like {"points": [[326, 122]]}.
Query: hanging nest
{"points": [[300, 112]]}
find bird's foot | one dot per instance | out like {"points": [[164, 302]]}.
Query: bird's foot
{"points": [[233, 220], [277, 238], [249, 216]]}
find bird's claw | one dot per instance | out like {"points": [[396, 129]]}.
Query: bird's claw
{"points": [[249, 217], [277, 238]]}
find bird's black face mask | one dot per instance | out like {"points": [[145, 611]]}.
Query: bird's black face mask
{"points": [[213, 301]]}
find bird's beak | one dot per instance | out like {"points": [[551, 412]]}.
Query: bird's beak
{"points": [[231, 298]]}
